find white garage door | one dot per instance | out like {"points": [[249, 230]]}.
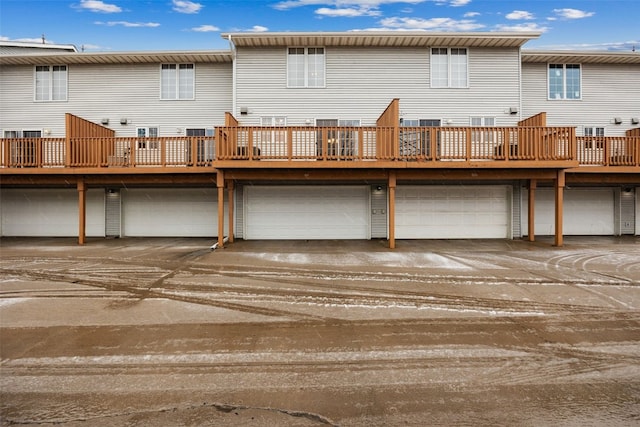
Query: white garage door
{"points": [[170, 212], [306, 212], [587, 212], [453, 212], [50, 212]]}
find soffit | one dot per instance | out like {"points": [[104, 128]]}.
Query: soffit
{"points": [[580, 57], [118, 58], [382, 39]]}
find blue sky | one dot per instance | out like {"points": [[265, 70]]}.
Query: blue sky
{"points": [[125, 25]]}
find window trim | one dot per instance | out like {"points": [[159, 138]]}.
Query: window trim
{"points": [[449, 68], [306, 67], [50, 75], [564, 82], [177, 81]]}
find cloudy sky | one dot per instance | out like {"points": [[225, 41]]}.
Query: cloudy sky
{"points": [[123, 25]]}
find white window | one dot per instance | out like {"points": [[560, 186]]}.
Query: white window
{"points": [[22, 134], [177, 81], [483, 121], [420, 122], [272, 142], [50, 83], [449, 67], [273, 121], [205, 145], [305, 67], [342, 143], [564, 81], [596, 133], [480, 138], [147, 132], [593, 131], [417, 142]]}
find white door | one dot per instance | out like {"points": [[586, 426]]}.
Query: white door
{"points": [[587, 212], [453, 212], [637, 194], [170, 212], [306, 212], [51, 212]]}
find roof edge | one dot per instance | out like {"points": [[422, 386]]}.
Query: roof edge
{"points": [[16, 43]]}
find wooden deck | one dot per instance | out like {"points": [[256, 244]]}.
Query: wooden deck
{"points": [[376, 147]]}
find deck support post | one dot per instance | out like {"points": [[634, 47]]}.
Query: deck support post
{"points": [[230, 190], [220, 185], [533, 183], [82, 210], [392, 209], [559, 193]]}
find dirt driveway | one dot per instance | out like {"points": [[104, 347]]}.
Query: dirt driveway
{"points": [[167, 332]]}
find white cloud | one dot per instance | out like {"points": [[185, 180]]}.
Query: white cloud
{"points": [[609, 46], [27, 40], [205, 29], [258, 29], [88, 46], [98, 6], [573, 13], [347, 12], [433, 24], [359, 4], [471, 14], [522, 27], [128, 24], [458, 3], [519, 14], [184, 6]]}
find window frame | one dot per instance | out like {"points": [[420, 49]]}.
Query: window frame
{"points": [[176, 91], [306, 68], [565, 86], [53, 85], [452, 69]]}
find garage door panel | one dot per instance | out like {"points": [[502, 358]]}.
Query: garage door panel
{"points": [[586, 212], [50, 212], [170, 212], [309, 212], [446, 212]]}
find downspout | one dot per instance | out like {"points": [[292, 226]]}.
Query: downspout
{"points": [[520, 83], [233, 78]]}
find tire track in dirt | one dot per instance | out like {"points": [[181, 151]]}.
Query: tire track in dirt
{"points": [[152, 283]]}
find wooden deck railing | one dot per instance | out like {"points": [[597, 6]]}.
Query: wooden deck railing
{"points": [[608, 150], [530, 145], [396, 143], [102, 152]]}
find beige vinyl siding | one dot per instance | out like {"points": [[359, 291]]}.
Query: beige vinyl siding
{"points": [[361, 82], [608, 91], [116, 91]]}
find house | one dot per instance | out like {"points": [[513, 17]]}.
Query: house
{"points": [[357, 135]]}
